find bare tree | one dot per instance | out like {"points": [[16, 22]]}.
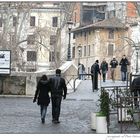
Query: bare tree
{"points": [[13, 36]]}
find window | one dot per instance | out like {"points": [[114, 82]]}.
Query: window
{"points": [[52, 39], [74, 35], [75, 16], [73, 52], [54, 21], [110, 49], [31, 40], [111, 34], [56, 3], [14, 21], [85, 35], [80, 52], [85, 50], [32, 21], [112, 14], [31, 56], [88, 50], [51, 56], [0, 22]]}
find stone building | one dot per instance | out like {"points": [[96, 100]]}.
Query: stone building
{"points": [[100, 40], [103, 34], [32, 31]]}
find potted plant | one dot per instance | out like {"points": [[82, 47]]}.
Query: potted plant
{"points": [[102, 117]]}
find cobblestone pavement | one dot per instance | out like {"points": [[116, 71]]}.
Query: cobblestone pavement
{"points": [[20, 115]]}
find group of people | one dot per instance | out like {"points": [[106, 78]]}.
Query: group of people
{"points": [[57, 87], [95, 70]]}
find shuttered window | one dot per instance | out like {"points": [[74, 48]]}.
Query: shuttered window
{"points": [[85, 50], [110, 49], [32, 21], [52, 39], [0, 22], [55, 21], [31, 56], [14, 21], [111, 34], [73, 52]]}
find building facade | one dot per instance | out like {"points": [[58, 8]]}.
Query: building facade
{"points": [[34, 34], [104, 34], [100, 40]]}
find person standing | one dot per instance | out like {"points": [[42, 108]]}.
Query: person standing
{"points": [[81, 70], [58, 87], [124, 63], [114, 64], [42, 96], [95, 71], [104, 69]]}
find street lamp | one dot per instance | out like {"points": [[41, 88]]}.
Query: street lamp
{"points": [[79, 53], [137, 57], [69, 23], [137, 48]]}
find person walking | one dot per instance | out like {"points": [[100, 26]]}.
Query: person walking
{"points": [[124, 63], [95, 71], [58, 90], [114, 64], [42, 96], [135, 88], [104, 69]]}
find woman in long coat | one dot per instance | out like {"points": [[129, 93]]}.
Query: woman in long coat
{"points": [[42, 96]]}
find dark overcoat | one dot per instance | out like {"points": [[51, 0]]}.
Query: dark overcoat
{"points": [[124, 63], [135, 84], [42, 93]]}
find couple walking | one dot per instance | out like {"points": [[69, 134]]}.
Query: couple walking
{"points": [[56, 85]]}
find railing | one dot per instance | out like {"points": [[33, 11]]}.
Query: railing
{"points": [[71, 79], [129, 115], [121, 102], [86, 76]]}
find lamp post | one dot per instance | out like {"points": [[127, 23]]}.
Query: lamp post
{"points": [[69, 23], [79, 53], [137, 48], [137, 58]]}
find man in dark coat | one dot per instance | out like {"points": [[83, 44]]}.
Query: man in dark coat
{"points": [[124, 62], [95, 71], [58, 87], [135, 87], [42, 95]]}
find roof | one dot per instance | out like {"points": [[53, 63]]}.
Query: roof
{"points": [[107, 23]]}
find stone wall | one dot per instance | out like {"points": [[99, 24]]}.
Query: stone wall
{"points": [[13, 85], [24, 83]]}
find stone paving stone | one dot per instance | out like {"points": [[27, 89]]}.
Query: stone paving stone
{"points": [[20, 115]]}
